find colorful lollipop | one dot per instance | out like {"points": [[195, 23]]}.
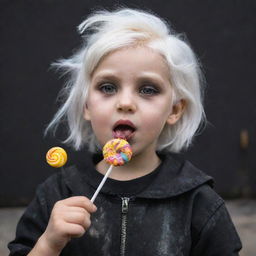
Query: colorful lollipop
{"points": [[56, 157], [116, 152]]}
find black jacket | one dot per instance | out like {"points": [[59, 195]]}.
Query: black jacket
{"points": [[177, 214]]}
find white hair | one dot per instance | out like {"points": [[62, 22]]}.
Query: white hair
{"points": [[104, 32]]}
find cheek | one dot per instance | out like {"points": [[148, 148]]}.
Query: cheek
{"points": [[157, 116], [96, 106], [98, 118], [99, 115], [156, 123]]}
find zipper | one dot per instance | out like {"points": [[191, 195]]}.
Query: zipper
{"points": [[125, 207]]}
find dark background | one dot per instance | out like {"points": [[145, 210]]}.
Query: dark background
{"points": [[36, 33]]}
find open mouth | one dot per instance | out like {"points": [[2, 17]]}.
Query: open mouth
{"points": [[123, 129]]}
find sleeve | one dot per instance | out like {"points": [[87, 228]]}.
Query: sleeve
{"points": [[31, 225], [218, 236], [35, 219]]}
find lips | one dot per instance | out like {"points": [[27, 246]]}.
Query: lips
{"points": [[123, 129]]}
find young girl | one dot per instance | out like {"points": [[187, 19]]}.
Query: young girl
{"points": [[133, 78]]}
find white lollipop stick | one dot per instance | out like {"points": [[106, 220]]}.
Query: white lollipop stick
{"points": [[102, 183]]}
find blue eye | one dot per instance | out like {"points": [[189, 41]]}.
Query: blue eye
{"points": [[149, 90], [108, 88]]}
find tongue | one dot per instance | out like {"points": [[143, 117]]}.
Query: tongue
{"points": [[122, 133]]}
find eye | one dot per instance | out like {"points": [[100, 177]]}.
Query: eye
{"points": [[149, 90], [108, 88]]}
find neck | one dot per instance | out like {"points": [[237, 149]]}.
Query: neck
{"points": [[140, 165]]}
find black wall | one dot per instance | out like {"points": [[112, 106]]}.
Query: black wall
{"points": [[36, 33]]}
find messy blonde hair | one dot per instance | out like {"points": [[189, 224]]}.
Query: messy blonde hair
{"points": [[106, 31]]}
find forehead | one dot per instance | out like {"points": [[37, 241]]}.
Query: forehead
{"points": [[133, 60]]}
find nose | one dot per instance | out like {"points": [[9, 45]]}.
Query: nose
{"points": [[126, 102]]}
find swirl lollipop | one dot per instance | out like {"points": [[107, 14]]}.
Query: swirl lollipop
{"points": [[56, 157], [116, 152]]}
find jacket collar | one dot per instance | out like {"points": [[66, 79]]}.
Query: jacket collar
{"points": [[174, 177], [177, 176]]}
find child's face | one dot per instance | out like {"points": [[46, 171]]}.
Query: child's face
{"points": [[131, 84]]}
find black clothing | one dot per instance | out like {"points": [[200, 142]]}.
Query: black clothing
{"points": [[172, 211]]}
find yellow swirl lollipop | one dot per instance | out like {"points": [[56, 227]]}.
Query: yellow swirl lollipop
{"points": [[56, 157]]}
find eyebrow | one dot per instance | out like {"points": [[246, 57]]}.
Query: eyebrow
{"points": [[106, 74], [152, 76], [109, 74]]}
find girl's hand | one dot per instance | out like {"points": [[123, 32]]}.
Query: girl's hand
{"points": [[69, 218]]}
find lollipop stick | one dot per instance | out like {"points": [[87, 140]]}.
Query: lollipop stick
{"points": [[102, 183]]}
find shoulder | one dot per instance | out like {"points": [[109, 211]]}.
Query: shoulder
{"points": [[59, 179], [205, 197], [211, 226], [56, 186], [195, 185], [208, 208]]}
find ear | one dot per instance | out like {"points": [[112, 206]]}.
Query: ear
{"points": [[177, 111], [87, 115]]}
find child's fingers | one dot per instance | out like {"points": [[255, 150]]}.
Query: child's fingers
{"points": [[78, 217], [74, 230], [76, 209], [80, 201]]}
